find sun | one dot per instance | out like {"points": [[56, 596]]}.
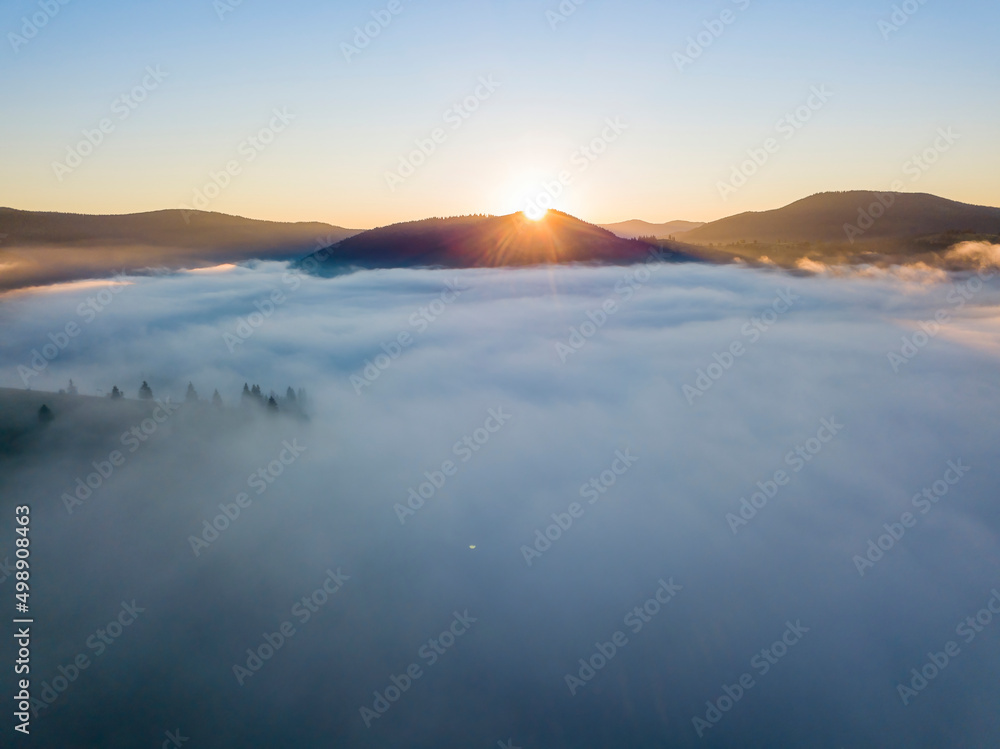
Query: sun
{"points": [[523, 191]]}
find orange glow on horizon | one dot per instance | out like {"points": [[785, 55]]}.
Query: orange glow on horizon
{"points": [[223, 268], [68, 286]]}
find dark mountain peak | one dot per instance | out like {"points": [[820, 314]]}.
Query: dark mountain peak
{"points": [[482, 241], [46, 247], [824, 217], [169, 227], [635, 228]]}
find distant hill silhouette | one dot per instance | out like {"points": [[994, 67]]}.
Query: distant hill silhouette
{"points": [[636, 228], [822, 217], [40, 248], [43, 248], [482, 241]]}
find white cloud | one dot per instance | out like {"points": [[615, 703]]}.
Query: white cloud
{"points": [[495, 347]]}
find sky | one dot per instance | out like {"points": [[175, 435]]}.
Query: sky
{"points": [[354, 110], [485, 363]]}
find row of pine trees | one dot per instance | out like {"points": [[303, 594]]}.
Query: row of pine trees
{"points": [[293, 401]]}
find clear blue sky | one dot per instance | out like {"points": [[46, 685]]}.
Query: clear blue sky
{"points": [[686, 129]]}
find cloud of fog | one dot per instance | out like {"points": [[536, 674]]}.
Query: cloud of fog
{"points": [[982, 254], [918, 273], [334, 508]]}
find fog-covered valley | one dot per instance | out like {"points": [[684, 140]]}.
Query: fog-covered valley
{"points": [[691, 478]]}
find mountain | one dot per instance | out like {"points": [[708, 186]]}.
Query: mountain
{"points": [[39, 248], [482, 241], [833, 228], [635, 228], [823, 218]]}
